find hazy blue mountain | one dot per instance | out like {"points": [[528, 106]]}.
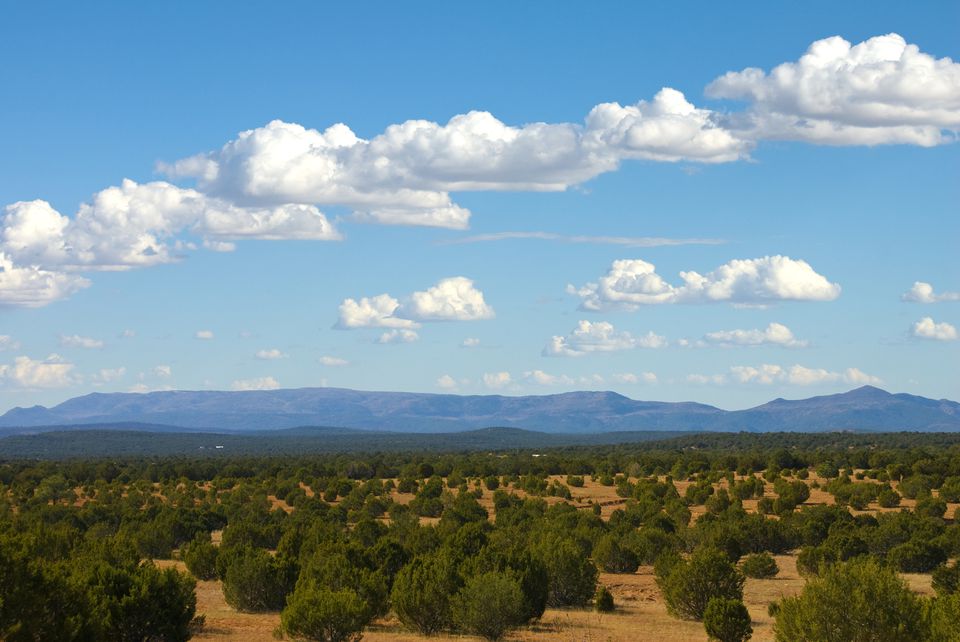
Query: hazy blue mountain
{"points": [[866, 408]]}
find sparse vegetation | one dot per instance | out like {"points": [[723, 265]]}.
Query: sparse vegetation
{"points": [[324, 547]]}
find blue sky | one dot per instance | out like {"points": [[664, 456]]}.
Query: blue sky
{"points": [[517, 258]]}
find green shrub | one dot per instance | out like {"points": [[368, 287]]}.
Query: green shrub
{"points": [[255, 581], [614, 558], [759, 566], [727, 620], [852, 602], [422, 591], [575, 480], [316, 613], [929, 506], [943, 614], [200, 556], [603, 600], [572, 576], [916, 556], [946, 579], [488, 605], [687, 586], [888, 498]]}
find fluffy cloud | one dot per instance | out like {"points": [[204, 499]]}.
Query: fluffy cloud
{"points": [[34, 287], [775, 334], [405, 175], [333, 362], [446, 382], [542, 378], [927, 328], [470, 342], [203, 335], [600, 336], [31, 374], [767, 374], [259, 383], [270, 354], [138, 224], [372, 312], [107, 375], [879, 91], [452, 299], [8, 343], [398, 336], [268, 182], [630, 283], [923, 293], [163, 371], [629, 377], [128, 226], [76, 341], [496, 380]]}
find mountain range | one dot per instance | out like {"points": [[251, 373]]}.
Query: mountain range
{"points": [[866, 408]]}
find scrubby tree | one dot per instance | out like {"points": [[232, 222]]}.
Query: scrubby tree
{"points": [[572, 576], [614, 558], [759, 566], [200, 556], [603, 600], [727, 620], [488, 605], [852, 602], [422, 591], [688, 585], [317, 613], [255, 581]]}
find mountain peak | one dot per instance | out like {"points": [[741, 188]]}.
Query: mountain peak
{"points": [[868, 391]]}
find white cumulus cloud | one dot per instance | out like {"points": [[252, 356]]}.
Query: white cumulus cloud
{"points": [[542, 378], [497, 380], [927, 328], [259, 383], [8, 343], [598, 336], [880, 91], [630, 377], [31, 374], [405, 174], [451, 299], [775, 334], [398, 336], [470, 342], [630, 283], [446, 382], [798, 375], [922, 292], [163, 371], [270, 354], [33, 287], [128, 226], [203, 335], [77, 341], [333, 362]]}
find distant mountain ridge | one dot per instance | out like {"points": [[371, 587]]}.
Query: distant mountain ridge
{"points": [[866, 408]]}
